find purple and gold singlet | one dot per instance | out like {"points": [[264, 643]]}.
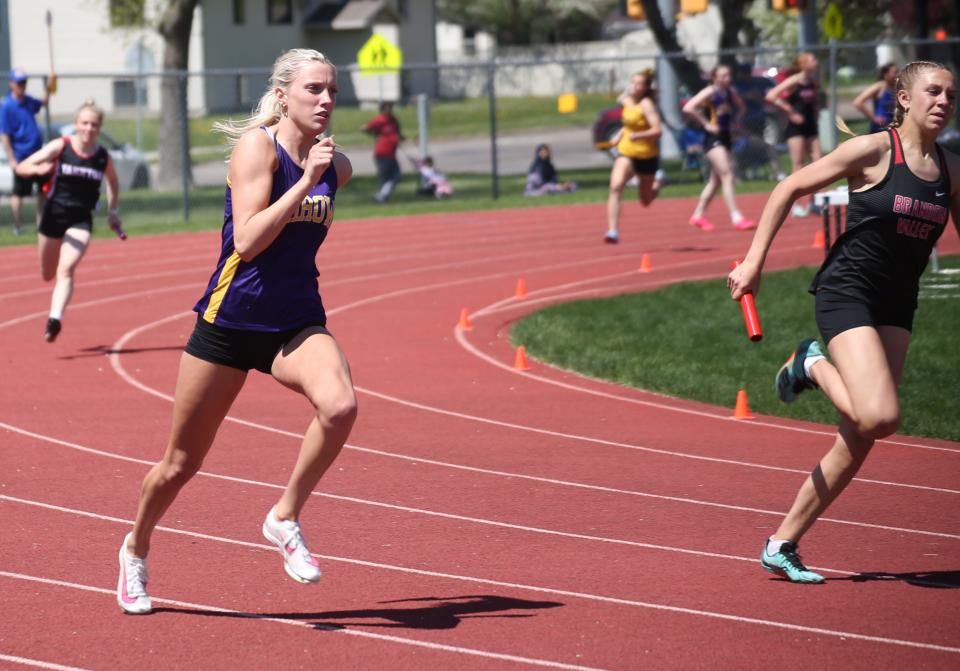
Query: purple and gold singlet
{"points": [[276, 290]]}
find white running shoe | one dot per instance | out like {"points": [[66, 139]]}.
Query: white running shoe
{"points": [[800, 211], [132, 584], [297, 560]]}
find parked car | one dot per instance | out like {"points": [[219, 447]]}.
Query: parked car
{"points": [[133, 171]]}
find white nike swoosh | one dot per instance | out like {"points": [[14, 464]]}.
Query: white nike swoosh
{"points": [[940, 193]]}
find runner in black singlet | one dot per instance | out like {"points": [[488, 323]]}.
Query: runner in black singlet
{"points": [[798, 96], [77, 165], [903, 188]]}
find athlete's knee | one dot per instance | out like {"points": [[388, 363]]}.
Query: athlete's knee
{"points": [[877, 425], [338, 409], [647, 198], [179, 471], [877, 420]]}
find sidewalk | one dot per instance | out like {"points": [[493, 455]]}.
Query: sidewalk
{"points": [[571, 148]]}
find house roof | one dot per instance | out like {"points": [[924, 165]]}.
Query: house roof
{"points": [[347, 14]]}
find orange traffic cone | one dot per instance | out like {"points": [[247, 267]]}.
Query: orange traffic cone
{"points": [[742, 409], [520, 363], [819, 242], [645, 266], [464, 324], [521, 291]]}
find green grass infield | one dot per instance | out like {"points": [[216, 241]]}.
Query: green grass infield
{"points": [[688, 340]]}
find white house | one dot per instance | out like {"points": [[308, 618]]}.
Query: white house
{"points": [[97, 56]]}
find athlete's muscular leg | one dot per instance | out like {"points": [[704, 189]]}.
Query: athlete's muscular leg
{"points": [[313, 365], [720, 161], [75, 243], [205, 391], [710, 188], [619, 175], [648, 189], [48, 250], [863, 386]]}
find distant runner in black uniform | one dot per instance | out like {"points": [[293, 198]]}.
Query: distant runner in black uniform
{"points": [[78, 166], [798, 96], [903, 187]]}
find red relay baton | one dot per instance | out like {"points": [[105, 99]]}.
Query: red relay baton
{"points": [[750, 317]]}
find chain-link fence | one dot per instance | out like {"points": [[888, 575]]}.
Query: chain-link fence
{"points": [[483, 116]]}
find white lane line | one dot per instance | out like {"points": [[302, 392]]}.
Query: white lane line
{"points": [[520, 586], [117, 365], [496, 523], [13, 659], [349, 306], [548, 295], [631, 446], [456, 649]]}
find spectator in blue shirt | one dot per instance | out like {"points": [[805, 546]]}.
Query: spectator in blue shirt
{"points": [[20, 136]]}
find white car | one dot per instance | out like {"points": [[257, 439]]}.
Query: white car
{"points": [[131, 165]]}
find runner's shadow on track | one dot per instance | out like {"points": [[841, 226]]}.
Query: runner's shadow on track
{"points": [[929, 579], [103, 350], [442, 613], [692, 248]]}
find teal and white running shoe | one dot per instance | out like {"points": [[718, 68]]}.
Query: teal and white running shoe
{"points": [[792, 378], [787, 563]]}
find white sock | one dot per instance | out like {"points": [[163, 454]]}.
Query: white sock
{"points": [[809, 361], [774, 545], [56, 315], [735, 216]]}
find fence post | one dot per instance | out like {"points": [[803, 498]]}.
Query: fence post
{"points": [[139, 93], [184, 147], [48, 130], [831, 130], [492, 95], [423, 124]]}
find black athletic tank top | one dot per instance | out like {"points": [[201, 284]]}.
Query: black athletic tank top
{"points": [[77, 178], [891, 229], [804, 99]]}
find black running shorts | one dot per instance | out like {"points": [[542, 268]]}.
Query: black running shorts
{"points": [[836, 314], [238, 348], [56, 219], [645, 166]]}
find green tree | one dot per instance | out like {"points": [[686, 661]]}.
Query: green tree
{"points": [[173, 20], [530, 22]]}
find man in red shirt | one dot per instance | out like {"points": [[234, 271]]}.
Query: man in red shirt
{"points": [[386, 128]]}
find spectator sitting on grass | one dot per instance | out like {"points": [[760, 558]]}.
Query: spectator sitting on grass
{"points": [[432, 182], [542, 176]]}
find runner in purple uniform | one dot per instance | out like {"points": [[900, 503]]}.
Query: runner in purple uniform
{"points": [[261, 309]]}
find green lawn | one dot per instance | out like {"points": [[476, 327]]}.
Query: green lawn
{"points": [[152, 212], [688, 340], [447, 118]]}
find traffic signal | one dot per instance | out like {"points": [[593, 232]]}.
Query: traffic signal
{"points": [[635, 10], [788, 5], [693, 6]]}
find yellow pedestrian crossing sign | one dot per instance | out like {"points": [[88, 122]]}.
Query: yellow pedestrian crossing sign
{"points": [[378, 56]]}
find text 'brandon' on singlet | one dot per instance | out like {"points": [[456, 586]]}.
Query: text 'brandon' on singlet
{"points": [[77, 177], [276, 290], [891, 229]]}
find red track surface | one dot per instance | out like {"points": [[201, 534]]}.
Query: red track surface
{"points": [[480, 517]]}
